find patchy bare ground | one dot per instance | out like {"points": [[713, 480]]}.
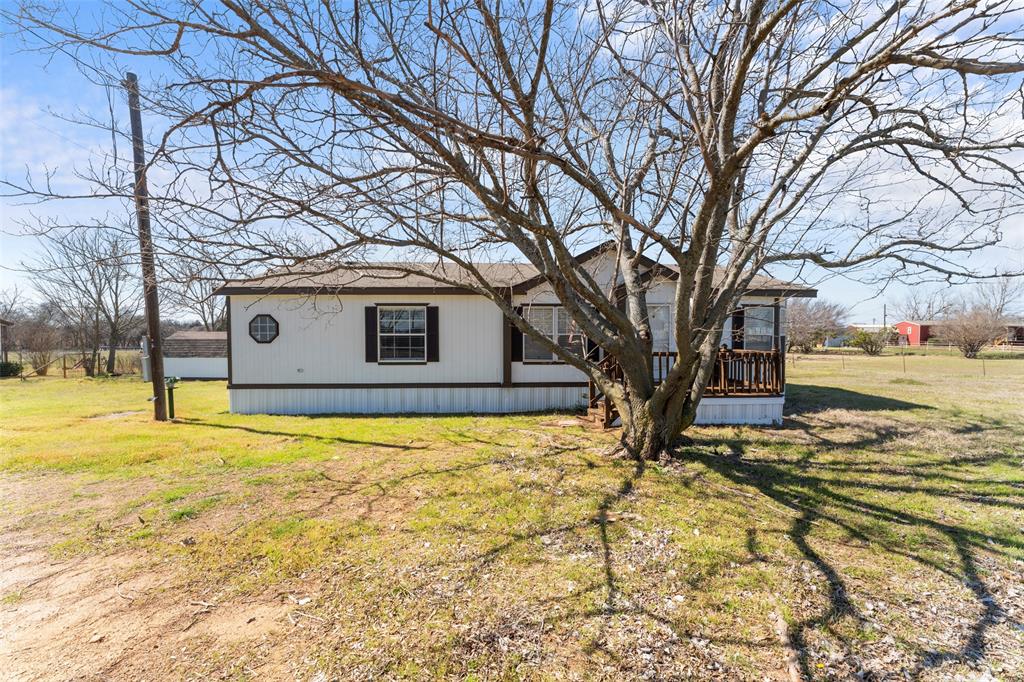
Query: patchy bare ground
{"points": [[879, 536], [124, 615]]}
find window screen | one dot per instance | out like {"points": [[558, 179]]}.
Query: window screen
{"points": [[554, 323], [402, 334], [758, 327], [661, 329], [542, 318], [263, 329]]}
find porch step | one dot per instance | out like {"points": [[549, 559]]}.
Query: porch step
{"points": [[596, 415]]}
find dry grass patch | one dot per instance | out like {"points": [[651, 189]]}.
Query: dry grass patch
{"points": [[881, 527]]}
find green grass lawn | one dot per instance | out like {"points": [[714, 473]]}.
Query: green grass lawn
{"points": [[880, 532]]}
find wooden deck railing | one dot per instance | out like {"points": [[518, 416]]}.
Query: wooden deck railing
{"points": [[757, 373], [747, 372]]}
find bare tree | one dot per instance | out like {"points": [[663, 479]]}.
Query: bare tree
{"points": [[809, 323], [720, 139], [40, 338], [971, 327], [89, 278], [12, 302], [923, 304], [980, 318], [188, 283], [1003, 297]]}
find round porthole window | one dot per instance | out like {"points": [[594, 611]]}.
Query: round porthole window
{"points": [[263, 329]]}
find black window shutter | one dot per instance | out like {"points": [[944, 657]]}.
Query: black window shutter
{"points": [[737, 329], [371, 333], [433, 339], [517, 339]]}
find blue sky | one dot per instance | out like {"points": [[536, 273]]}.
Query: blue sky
{"points": [[35, 88]]}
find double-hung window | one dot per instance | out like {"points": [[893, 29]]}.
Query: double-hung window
{"points": [[758, 327], [555, 324], [659, 317], [402, 333]]}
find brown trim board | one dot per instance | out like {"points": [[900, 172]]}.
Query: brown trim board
{"points": [[337, 291], [494, 384], [228, 306], [433, 291], [506, 344]]}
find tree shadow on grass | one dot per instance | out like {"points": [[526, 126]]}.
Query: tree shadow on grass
{"points": [[297, 434], [813, 499], [802, 399], [862, 499], [858, 493]]}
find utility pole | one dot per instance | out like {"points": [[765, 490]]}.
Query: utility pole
{"points": [[149, 289]]}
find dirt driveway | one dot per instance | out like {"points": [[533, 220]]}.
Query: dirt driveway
{"points": [[123, 616]]}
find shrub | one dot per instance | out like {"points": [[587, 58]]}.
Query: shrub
{"points": [[40, 339], [127, 363], [970, 329], [10, 369], [872, 343], [40, 361]]}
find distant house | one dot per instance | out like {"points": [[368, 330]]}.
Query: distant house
{"points": [[194, 355], [5, 338], [1014, 334], [864, 327], [913, 333], [843, 338], [838, 341], [356, 340]]}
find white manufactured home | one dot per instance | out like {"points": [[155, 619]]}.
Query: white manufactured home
{"points": [[191, 355], [196, 355], [371, 342]]}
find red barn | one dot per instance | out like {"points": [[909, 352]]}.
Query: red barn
{"points": [[915, 333]]}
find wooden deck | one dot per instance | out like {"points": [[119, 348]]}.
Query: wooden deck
{"points": [[737, 373]]}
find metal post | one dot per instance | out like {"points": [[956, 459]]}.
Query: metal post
{"points": [[148, 259], [170, 401]]}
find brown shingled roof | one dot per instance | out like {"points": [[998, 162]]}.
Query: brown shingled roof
{"points": [[385, 277], [381, 276], [196, 344]]}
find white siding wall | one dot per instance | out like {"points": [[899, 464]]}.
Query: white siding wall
{"points": [[763, 411], [404, 400], [196, 368], [726, 411], [530, 372], [322, 340]]}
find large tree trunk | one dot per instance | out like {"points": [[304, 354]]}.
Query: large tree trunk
{"points": [[88, 364], [650, 428], [112, 343], [93, 366], [654, 417], [644, 431]]}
